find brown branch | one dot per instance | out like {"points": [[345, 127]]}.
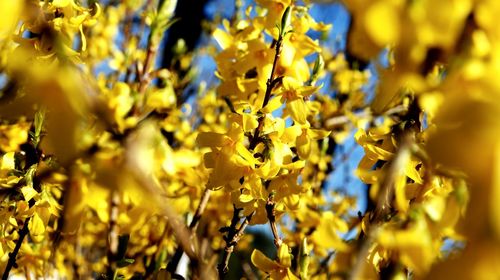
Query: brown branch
{"points": [[343, 119], [127, 31], [33, 156], [174, 263], [200, 210], [13, 255], [270, 84], [271, 216], [232, 239], [144, 77], [234, 236], [159, 197], [113, 234]]}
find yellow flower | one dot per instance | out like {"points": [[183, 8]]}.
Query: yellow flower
{"points": [[414, 244], [293, 94], [12, 136], [279, 269], [229, 158], [326, 234], [36, 228]]}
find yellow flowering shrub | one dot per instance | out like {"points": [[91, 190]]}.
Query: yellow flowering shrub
{"points": [[116, 166]]}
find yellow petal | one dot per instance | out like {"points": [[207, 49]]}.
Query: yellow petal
{"points": [[412, 173], [36, 228], [298, 110], [244, 153], [287, 56], [249, 122], [317, 134], [9, 15], [290, 275], [403, 159], [222, 38], [375, 152], [262, 262], [369, 176], [290, 134], [61, 3], [402, 204], [303, 145], [272, 105], [295, 165], [414, 245], [431, 102], [8, 161], [284, 256], [326, 233], [292, 202], [84, 40], [435, 208], [245, 198], [28, 192]]}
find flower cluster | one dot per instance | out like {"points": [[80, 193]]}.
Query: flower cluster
{"points": [[114, 165]]}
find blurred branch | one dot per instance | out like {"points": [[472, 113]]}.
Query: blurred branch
{"points": [[181, 232], [342, 120], [113, 233], [161, 23], [200, 210], [174, 263], [326, 1], [382, 206]]}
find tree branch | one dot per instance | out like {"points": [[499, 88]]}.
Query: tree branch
{"points": [[270, 84], [343, 119], [174, 263], [232, 239], [113, 233], [271, 216], [13, 255]]}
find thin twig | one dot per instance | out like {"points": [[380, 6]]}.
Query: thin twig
{"points": [[159, 197], [33, 157], [174, 263], [200, 210], [113, 233], [248, 272], [342, 120], [127, 31], [144, 75], [145, 78], [236, 15], [233, 236], [271, 216], [232, 239], [270, 84], [13, 255]]}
